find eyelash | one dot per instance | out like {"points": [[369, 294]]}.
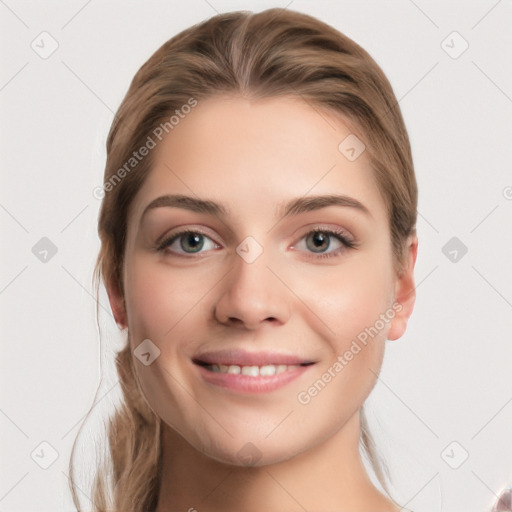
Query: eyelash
{"points": [[338, 234]]}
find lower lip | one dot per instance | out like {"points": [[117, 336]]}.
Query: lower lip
{"points": [[247, 384]]}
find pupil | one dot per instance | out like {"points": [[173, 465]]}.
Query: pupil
{"points": [[322, 238], [194, 240]]}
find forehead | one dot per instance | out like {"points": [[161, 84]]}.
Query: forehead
{"points": [[253, 154]]}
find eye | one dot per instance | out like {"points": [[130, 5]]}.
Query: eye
{"points": [[319, 240], [187, 242]]}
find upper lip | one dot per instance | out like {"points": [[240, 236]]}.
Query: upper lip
{"points": [[245, 358]]}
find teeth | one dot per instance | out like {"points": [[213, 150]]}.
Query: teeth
{"points": [[252, 371], [268, 370]]}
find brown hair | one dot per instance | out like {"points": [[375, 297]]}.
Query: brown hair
{"points": [[272, 53]]}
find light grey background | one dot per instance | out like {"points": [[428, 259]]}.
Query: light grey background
{"points": [[447, 379]]}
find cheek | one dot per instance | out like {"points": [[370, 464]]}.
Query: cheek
{"points": [[158, 298], [352, 304], [350, 300], [159, 302]]}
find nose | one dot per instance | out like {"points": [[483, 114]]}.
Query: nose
{"points": [[252, 295]]}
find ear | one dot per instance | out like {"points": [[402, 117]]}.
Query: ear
{"points": [[117, 305], [405, 292]]}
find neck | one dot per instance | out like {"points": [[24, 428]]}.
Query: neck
{"points": [[329, 476]]}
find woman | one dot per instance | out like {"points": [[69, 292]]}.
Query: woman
{"points": [[258, 246]]}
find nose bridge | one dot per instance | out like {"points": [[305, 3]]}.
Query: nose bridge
{"points": [[251, 268], [252, 293]]}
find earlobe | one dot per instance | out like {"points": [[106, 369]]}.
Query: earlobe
{"points": [[405, 292], [117, 305]]}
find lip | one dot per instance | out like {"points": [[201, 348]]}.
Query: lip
{"points": [[247, 384], [245, 358]]}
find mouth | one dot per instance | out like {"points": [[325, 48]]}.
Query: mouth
{"points": [[247, 372], [266, 370]]}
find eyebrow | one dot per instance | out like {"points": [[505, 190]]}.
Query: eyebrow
{"points": [[293, 207]]}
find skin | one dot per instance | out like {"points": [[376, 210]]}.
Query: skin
{"points": [[251, 156]]}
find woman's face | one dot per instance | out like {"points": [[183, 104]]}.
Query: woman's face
{"points": [[293, 323]]}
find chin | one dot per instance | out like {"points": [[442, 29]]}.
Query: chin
{"points": [[247, 454]]}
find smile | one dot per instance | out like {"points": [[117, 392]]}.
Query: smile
{"points": [[251, 378], [252, 371]]}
